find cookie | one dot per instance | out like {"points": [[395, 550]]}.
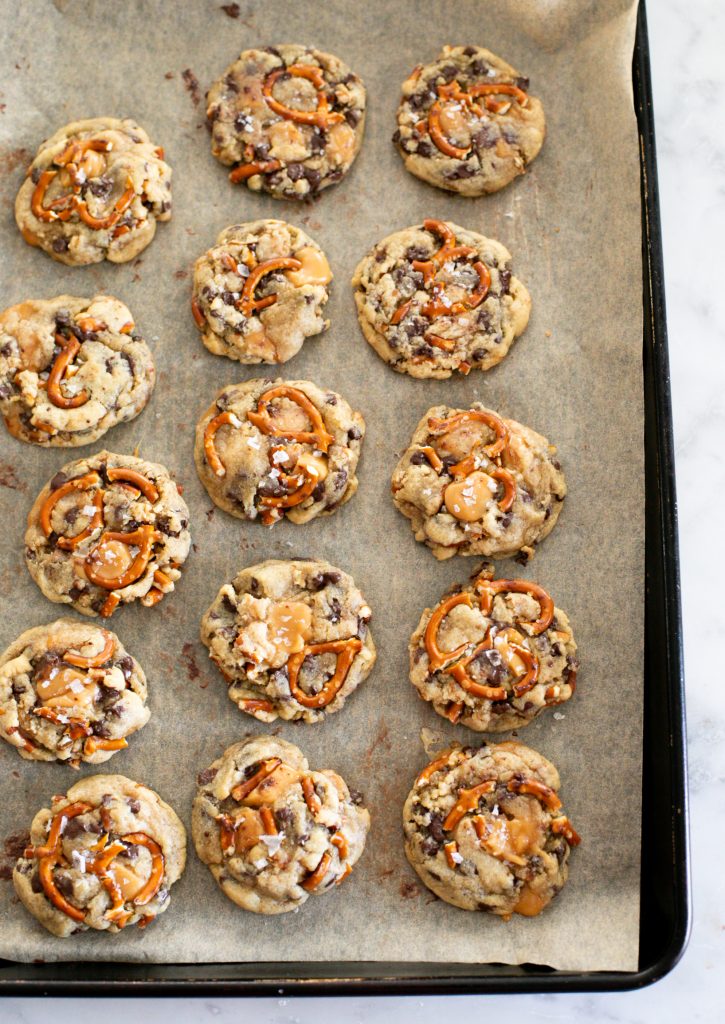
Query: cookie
{"points": [[104, 856], [94, 192], [484, 829], [289, 118], [70, 369], [273, 832], [107, 530], [466, 122], [494, 654], [290, 638], [436, 298], [473, 483], [260, 291], [69, 691], [266, 449]]}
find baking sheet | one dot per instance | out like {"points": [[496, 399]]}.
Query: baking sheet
{"points": [[573, 226]]}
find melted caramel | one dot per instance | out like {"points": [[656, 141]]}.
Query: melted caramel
{"points": [[111, 559], [126, 879], [64, 687], [314, 270], [290, 626], [341, 143], [469, 498], [247, 829], [530, 903], [454, 121]]}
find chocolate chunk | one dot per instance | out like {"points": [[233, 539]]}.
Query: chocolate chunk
{"points": [[504, 277], [353, 117], [424, 148], [335, 610], [59, 244], [354, 434], [318, 492], [134, 805]]}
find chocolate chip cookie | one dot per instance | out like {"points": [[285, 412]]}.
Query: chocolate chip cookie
{"points": [[94, 192], [467, 123], [70, 369], [108, 530], [494, 654], [69, 691], [436, 298], [289, 118], [291, 639], [260, 292], [104, 856], [272, 831], [266, 449], [484, 829], [473, 483]]}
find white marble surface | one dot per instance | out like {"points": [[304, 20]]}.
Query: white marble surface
{"points": [[687, 40]]}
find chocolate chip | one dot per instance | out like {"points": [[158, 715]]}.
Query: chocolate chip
{"points": [[460, 171], [354, 434], [318, 492], [313, 177], [418, 458], [424, 148], [74, 828], [353, 117], [335, 610], [435, 827], [484, 138], [59, 244], [101, 187], [395, 137], [504, 277], [35, 175], [421, 98], [134, 805], [261, 150], [205, 777], [356, 797], [63, 884], [295, 172], [470, 51], [479, 67], [323, 579], [331, 399]]}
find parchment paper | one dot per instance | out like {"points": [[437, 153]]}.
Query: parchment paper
{"points": [[573, 226]]}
